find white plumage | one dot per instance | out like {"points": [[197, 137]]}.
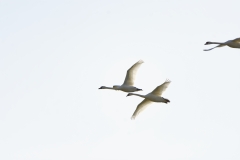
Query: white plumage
{"points": [[128, 84], [154, 96]]}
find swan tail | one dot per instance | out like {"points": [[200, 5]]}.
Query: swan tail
{"points": [[166, 100]]}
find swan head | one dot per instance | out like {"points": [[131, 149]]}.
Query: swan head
{"points": [[129, 94], [102, 87], [207, 43]]}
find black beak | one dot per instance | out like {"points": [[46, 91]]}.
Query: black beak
{"points": [[139, 89], [206, 43], [128, 95]]}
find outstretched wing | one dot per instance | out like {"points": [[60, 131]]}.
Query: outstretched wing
{"points": [[237, 40], [209, 49], [220, 45], [141, 106], [161, 88], [131, 74]]}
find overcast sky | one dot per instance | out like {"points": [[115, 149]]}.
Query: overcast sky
{"points": [[54, 55]]}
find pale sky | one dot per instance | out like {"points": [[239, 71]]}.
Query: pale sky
{"points": [[54, 55]]}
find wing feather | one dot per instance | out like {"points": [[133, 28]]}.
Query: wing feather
{"points": [[220, 45], [141, 106], [131, 73], [161, 88]]}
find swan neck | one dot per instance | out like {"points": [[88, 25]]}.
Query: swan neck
{"points": [[216, 43], [138, 95], [108, 88]]}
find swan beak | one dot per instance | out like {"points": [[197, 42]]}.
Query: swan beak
{"points": [[128, 94]]}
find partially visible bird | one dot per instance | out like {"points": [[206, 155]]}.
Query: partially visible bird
{"points": [[235, 43], [154, 96], [128, 84]]}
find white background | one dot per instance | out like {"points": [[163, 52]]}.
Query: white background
{"points": [[54, 55]]}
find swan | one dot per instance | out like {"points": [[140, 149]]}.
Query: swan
{"points": [[154, 96], [235, 43], [128, 84]]}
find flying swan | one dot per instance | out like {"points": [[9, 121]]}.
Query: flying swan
{"points": [[128, 84], [235, 43], [154, 96]]}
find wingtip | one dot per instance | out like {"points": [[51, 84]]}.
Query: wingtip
{"points": [[167, 80]]}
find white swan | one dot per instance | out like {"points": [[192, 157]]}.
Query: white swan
{"points": [[128, 83], [154, 96], [235, 43]]}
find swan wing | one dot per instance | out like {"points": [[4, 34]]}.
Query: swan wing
{"points": [[209, 49], [220, 45], [141, 106], [237, 40], [131, 73], [161, 88]]}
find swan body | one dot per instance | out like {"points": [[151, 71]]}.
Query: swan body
{"points": [[151, 97], [235, 43], [154, 96], [128, 84]]}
